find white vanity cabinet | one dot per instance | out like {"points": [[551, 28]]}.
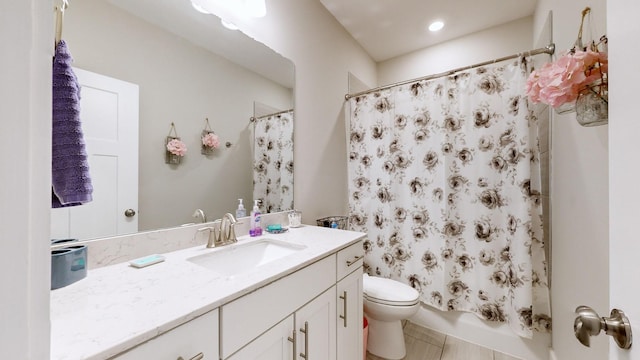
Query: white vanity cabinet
{"points": [[248, 318], [309, 333], [350, 313], [196, 339], [349, 303], [300, 315], [275, 344], [316, 328]]}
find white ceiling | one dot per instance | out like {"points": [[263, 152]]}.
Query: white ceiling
{"points": [[179, 18], [389, 28]]}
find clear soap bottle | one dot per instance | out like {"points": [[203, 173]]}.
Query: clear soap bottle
{"points": [[240, 211]]}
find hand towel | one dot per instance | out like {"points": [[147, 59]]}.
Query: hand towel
{"points": [[71, 183]]}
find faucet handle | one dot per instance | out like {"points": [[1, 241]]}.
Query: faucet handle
{"points": [[206, 228], [232, 232], [214, 235]]}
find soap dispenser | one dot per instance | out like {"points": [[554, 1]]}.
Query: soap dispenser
{"points": [[240, 211], [256, 228]]}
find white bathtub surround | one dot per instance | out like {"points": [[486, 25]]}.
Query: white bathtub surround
{"points": [[117, 307]]}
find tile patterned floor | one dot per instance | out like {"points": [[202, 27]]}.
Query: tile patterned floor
{"points": [[425, 344]]}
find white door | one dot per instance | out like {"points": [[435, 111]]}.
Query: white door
{"points": [[623, 29], [109, 114]]}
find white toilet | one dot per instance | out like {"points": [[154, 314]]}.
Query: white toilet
{"points": [[386, 303]]}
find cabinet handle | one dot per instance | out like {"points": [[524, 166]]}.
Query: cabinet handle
{"points": [[292, 338], [199, 356], [355, 260], [344, 305], [305, 331]]}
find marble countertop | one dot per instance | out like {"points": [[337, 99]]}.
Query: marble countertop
{"points": [[118, 307]]}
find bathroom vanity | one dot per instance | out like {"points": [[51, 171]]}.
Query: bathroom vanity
{"points": [[304, 300]]}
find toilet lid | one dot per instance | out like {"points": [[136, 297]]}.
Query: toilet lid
{"points": [[387, 291]]}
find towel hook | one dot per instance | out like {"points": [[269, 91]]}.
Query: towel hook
{"points": [[60, 19]]}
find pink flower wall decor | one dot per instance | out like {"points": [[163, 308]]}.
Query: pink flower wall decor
{"points": [[177, 147], [560, 82], [211, 140]]}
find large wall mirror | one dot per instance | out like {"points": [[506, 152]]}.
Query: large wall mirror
{"points": [[188, 68]]}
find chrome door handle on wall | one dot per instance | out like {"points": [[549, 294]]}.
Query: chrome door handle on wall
{"points": [[343, 297], [589, 323], [129, 213]]}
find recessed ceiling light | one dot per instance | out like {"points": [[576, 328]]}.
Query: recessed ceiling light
{"points": [[436, 26]]}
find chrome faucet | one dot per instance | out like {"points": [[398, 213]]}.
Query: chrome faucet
{"points": [[200, 214], [228, 233], [222, 232]]}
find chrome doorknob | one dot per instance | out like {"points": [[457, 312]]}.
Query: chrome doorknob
{"points": [[129, 213], [589, 323]]}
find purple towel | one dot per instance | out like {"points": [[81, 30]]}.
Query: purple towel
{"points": [[71, 183]]}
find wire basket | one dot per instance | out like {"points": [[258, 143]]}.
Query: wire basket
{"points": [[335, 222]]}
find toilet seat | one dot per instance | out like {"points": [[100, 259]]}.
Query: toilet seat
{"points": [[388, 291]]}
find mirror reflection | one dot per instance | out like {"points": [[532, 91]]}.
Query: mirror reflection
{"points": [[273, 160], [188, 69]]}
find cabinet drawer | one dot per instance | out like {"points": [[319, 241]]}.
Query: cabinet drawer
{"points": [[244, 319], [350, 259], [199, 335]]}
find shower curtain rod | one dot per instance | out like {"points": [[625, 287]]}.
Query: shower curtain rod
{"points": [[253, 118], [549, 49]]}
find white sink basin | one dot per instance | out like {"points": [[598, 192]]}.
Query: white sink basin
{"points": [[238, 258]]}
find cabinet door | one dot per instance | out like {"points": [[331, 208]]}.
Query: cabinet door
{"points": [[316, 328], [349, 316], [275, 344], [244, 319], [199, 335]]}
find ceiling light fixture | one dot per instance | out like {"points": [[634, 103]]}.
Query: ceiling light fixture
{"points": [[241, 8], [436, 26]]}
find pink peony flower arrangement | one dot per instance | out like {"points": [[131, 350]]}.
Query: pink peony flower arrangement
{"points": [[560, 82], [211, 140], [177, 147]]}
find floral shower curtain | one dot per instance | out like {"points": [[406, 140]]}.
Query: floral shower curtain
{"points": [[444, 176], [273, 162]]}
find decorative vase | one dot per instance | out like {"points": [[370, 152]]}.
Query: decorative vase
{"points": [[592, 105]]}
